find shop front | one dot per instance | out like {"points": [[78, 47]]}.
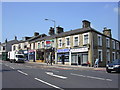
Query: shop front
{"points": [[32, 55], [40, 55], [63, 56], [79, 56]]}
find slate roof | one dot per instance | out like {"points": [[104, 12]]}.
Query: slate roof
{"points": [[72, 32]]}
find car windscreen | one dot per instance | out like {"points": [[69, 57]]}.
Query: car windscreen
{"points": [[19, 56], [116, 61]]}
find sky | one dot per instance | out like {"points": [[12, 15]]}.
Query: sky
{"points": [[24, 18]]}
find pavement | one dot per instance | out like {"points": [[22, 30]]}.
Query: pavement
{"points": [[68, 66]]}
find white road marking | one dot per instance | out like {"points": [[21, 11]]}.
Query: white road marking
{"points": [[48, 83], [78, 75], [22, 72], [108, 79], [50, 73], [12, 67], [91, 77], [6, 65], [96, 78]]}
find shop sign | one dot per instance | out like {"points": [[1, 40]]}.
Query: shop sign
{"points": [[79, 50], [32, 51], [25, 52], [48, 43], [63, 50]]}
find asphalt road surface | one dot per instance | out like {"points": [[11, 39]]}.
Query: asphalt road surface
{"points": [[26, 75]]}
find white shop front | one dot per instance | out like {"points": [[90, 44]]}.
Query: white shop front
{"points": [[79, 56]]}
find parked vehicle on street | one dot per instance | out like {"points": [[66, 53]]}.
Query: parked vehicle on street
{"points": [[15, 57], [113, 66]]}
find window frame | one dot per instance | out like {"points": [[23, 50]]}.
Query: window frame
{"points": [[113, 44], [84, 38], [60, 43], [66, 43], [107, 44], [74, 40], [99, 42]]}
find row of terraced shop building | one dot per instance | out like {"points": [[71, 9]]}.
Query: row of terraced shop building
{"points": [[75, 47]]}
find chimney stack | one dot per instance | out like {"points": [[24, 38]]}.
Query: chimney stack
{"points": [[107, 32], [36, 33], [59, 30], [6, 40], [15, 37], [86, 24], [51, 31]]}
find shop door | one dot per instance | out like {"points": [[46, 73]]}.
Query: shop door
{"points": [[79, 59], [74, 59]]}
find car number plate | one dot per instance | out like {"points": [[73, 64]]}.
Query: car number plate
{"points": [[110, 67]]}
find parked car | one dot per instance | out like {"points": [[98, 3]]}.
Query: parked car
{"points": [[113, 66]]}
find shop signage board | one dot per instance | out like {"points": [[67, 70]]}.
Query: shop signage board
{"points": [[79, 50], [63, 50], [48, 43]]}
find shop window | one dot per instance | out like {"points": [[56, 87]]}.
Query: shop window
{"points": [[85, 58]]}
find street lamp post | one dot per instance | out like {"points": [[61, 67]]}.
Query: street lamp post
{"points": [[55, 40]]}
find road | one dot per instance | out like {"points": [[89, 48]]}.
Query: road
{"points": [[26, 75]]}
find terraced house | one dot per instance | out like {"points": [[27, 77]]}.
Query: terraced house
{"points": [[85, 45], [81, 46]]}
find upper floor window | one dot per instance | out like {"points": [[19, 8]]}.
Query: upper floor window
{"points": [[76, 40], [33, 45], [99, 40], [3, 47], [85, 38], [14, 48], [38, 45], [19, 46], [117, 45], [25, 46], [59, 42], [113, 44], [43, 44], [67, 41], [107, 42]]}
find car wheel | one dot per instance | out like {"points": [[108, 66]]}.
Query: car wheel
{"points": [[108, 70]]}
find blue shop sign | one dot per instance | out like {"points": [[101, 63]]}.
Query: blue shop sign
{"points": [[63, 50]]}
